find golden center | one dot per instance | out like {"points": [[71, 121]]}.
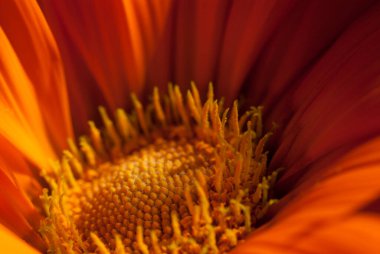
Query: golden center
{"points": [[173, 178], [143, 189]]}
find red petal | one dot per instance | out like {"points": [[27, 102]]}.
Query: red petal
{"points": [[249, 26], [106, 48], [336, 106], [303, 36]]}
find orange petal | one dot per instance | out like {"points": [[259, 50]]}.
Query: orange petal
{"points": [[22, 123], [31, 39], [10, 243], [356, 234], [326, 216], [17, 212], [106, 45], [336, 106], [15, 165]]}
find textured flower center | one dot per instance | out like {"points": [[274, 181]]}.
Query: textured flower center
{"points": [[144, 189], [169, 179]]}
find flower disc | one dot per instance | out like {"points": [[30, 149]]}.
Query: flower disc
{"points": [[185, 179]]}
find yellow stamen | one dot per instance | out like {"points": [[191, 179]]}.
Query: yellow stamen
{"points": [[140, 241], [157, 107], [124, 126], [140, 113], [155, 244], [101, 246], [194, 110], [96, 138], [119, 245], [110, 130], [88, 151], [190, 178]]}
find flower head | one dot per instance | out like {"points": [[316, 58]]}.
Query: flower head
{"points": [[314, 66]]}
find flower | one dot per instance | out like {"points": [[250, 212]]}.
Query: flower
{"points": [[312, 64]]}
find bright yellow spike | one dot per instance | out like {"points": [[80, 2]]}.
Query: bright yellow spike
{"points": [[157, 107], [110, 129], [74, 149], [88, 151], [68, 173], [180, 106], [205, 123], [176, 227], [140, 113], [205, 205], [120, 249], [202, 181], [234, 120], [189, 200], [224, 120], [96, 138], [195, 95], [101, 247], [195, 112], [210, 93], [215, 119], [172, 101], [140, 241], [76, 164], [155, 244], [124, 126]]}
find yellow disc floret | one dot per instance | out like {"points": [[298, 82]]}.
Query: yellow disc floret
{"points": [[176, 177]]}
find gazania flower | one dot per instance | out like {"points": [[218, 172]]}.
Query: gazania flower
{"points": [[179, 172]]}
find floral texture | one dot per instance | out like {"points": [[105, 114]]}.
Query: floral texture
{"points": [[314, 66]]}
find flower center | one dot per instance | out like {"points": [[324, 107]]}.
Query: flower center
{"points": [[187, 179], [144, 189]]}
